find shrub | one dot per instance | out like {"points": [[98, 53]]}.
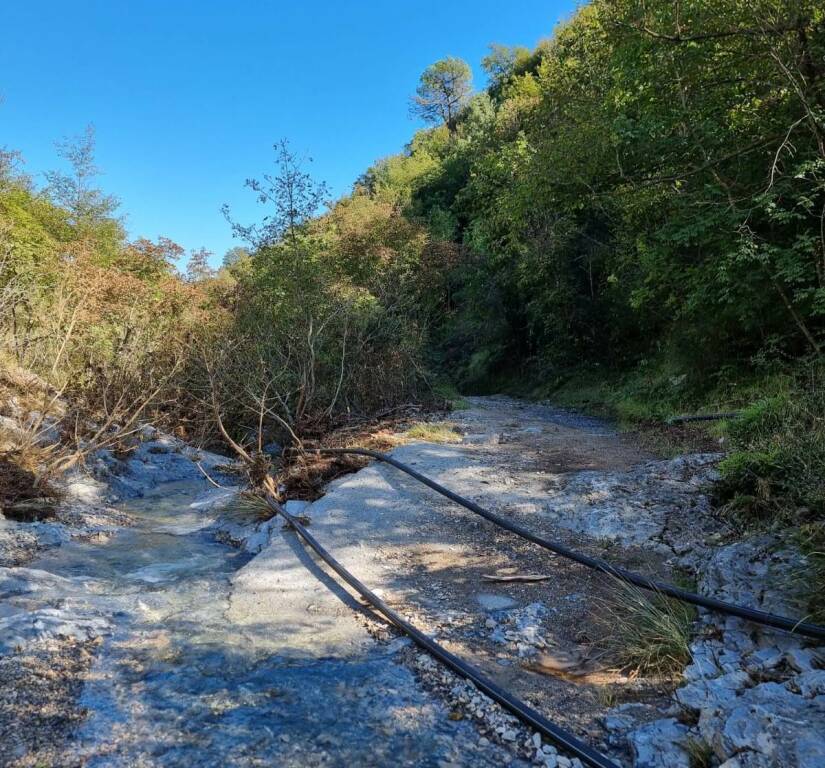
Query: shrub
{"points": [[775, 473]]}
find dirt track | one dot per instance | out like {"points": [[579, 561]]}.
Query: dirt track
{"points": [[551, 471]]}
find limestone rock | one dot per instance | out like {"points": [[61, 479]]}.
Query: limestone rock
{"points": [[658, 745]]}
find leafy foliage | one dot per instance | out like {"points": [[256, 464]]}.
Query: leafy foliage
{"points": [[641, 196], [647, 182], [102, 324], [443, 91], [775, 472]]}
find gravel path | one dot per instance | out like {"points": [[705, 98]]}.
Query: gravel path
{"points": [[429, 557], [576, 480]]}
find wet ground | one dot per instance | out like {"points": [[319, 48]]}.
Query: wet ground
{"points": [[175, 682]]}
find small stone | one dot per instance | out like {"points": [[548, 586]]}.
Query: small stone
{"points": [[490, 624], [810, 684], [658, 744], [509, 735], [802, 659], [537, 740]]}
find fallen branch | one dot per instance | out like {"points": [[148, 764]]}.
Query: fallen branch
{"points": [[206, 475], [517, 577]]}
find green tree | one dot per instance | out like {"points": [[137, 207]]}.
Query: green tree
{"points": [[502, 61], [76, 191], [291, 195], [444, 89], [235, 255]]}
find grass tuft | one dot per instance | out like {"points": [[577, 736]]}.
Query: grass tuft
{"points": [[249, 508], [646, 633], [435, 432], [811, 540], [700, 753]]}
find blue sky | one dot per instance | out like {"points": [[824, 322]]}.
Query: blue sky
{"points": [[188, 96]]}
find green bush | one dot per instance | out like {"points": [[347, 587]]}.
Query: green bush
{"points": [[775, 473]]}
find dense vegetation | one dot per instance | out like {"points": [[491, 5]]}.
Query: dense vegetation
{"points": [[104, 323], [645, 188], [304, 326], [632, 214], [637, 215]]}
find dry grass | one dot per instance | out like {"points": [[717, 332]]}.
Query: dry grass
{"points": [[249, 508], [646, 633], [30, 410], [700, 753], [810, 579], [434, 432]]}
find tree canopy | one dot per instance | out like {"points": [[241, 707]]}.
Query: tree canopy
{"points": [[444, 89]]}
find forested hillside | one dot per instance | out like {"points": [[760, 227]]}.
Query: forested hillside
{"points": [[630, 215], [644, 187]]}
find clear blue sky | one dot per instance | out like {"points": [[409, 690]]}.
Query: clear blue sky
{"points": [[188, 96]]}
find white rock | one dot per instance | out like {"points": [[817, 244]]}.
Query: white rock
{"points": [[779, 727], [20, 628], [657, 745], [703, 693], [810, 684], [803, 659]]}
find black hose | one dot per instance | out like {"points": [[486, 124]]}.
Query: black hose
{"points": [[796, 626], [703, 417], [522, 711]]}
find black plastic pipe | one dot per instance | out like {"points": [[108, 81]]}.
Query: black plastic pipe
{"points": [[522, 711], [703, 417], [797, 626]]}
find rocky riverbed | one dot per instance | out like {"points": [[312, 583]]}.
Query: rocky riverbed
{"points": [[149, 624]]}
